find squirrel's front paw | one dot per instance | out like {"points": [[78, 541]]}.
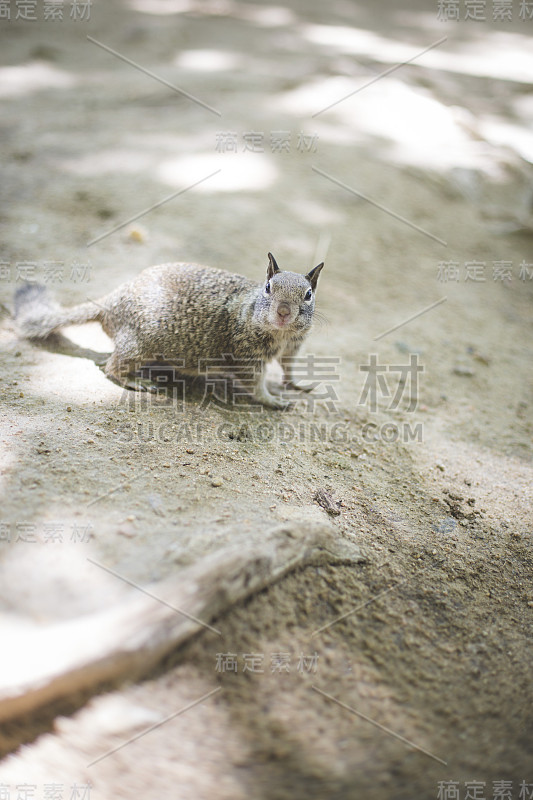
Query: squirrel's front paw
{"points": [[270, 401]]}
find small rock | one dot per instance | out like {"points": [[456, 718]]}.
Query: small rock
{"points": [[69, 408], [464, 371], [481, 357], [440, 466], [217, 482], [404, 347], [137, 234]]}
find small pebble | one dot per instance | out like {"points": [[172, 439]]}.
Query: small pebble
{"points": [[137, 234], [465, 372], [216, 482]]}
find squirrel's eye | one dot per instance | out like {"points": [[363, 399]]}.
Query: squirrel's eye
{"points": [[308, 295], [267, 288]]}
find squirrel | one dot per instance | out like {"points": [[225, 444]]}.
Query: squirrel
{"points": [[189, 313]]}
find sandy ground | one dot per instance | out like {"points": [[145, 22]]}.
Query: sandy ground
{"points": [[432, 472]]}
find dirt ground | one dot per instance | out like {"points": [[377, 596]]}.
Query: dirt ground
{"points": [[406, 673]]}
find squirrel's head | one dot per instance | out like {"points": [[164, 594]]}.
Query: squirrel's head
{"points": [[288, 298]]}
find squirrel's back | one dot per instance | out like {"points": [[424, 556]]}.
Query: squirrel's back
{"points": [[181, 304]]}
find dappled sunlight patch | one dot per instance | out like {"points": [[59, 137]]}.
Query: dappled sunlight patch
{"points": [[405, 123], [91, 336], [208, 60], [489, 53], [108, 161], [495, 54], [266, 16], [503, 133], [62, 645], [66, 379], [138, 153], [252, 172], [195, 751], [34, 76], [161, 7], [42, 576], [7, 456], [310, 211]]}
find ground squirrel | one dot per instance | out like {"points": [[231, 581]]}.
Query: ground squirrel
{"points": [[189, 313]]}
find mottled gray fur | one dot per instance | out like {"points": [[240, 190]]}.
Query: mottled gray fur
{"points": [[187, 313]]}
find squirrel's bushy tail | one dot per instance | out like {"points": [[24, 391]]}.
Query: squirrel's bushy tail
{"points": [[38, 315]]}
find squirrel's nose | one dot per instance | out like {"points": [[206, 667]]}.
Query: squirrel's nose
{"points": [[284, 310]]}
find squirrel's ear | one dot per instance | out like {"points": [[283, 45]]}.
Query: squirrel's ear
{"points": [[272, 266], [312, 276]]}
